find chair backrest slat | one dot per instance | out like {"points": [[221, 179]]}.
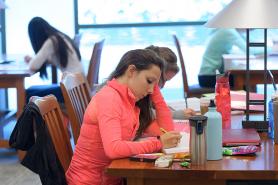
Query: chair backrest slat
{"points": [[183, 69], [189, 91], [76, 93], [93, 70], [52, 114]]}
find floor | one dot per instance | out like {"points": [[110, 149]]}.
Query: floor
{"points": [[11, 171]]}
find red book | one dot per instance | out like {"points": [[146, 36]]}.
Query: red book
{"points": [[238, 137]]}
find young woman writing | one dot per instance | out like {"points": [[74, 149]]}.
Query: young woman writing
{"points": [[117, 115]]}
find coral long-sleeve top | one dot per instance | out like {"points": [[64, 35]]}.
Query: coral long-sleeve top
{"points": [[109, 127]]}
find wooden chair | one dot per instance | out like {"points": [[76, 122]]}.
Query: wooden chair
{"points": [[76, 93], [189, 90], [53, 118], [93, 70]]}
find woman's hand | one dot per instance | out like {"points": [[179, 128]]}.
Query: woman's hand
{"points": [[188, 112], [170, 139], [27, 59]]}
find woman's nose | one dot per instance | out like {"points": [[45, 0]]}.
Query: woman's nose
{"points": [[150, 90]]}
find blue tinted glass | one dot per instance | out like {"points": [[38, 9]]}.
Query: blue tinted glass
{"points": [[191, 35], [120, 40], [146, 11]]}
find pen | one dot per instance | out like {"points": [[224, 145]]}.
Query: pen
{"points": [[163, 130]]}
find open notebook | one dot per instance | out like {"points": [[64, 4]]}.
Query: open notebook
{"points": [[182, 147], [184, 128]]}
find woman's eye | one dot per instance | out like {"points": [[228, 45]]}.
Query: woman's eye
{"points": [[149, 81]]}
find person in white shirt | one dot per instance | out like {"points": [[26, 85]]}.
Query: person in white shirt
{"points": [[51, 46]]}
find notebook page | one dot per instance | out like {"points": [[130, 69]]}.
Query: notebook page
{"points": [[182, 147]]}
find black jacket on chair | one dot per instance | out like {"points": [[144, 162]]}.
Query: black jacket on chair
{"points": [[41, 157]]}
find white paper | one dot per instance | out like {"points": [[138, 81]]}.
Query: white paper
{"points": [[193, 103], [182, 147]]}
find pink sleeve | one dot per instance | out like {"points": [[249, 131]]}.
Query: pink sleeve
{"points": [[109, 114], [163, 114]]}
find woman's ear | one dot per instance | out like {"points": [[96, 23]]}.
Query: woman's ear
{"points": [[131, 70]]}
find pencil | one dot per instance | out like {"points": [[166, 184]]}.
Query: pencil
{"points": [[185, 99], [163, 130]]}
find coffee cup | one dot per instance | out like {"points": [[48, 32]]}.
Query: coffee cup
{"points": [[204, 103]]}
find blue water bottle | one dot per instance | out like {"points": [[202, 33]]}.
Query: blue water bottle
{"points": [[271, 116], [214, 133], [270, 119]]}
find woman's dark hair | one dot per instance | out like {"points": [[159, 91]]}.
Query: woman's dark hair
{"points": [[39, 31], [169, 57], [142, 59]]}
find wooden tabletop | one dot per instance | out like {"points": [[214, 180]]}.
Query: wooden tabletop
{"points": [[236, 64], [13, 65], [12, 74], [264, 165]]}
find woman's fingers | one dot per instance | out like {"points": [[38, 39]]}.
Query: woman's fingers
{"points": [[170, 139]]}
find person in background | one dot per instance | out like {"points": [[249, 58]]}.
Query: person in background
{"points": [[118, 115], [51, 46], [221, 42], [171, 68]]}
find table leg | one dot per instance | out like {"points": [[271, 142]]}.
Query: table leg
{"points": [[20, 105], [21, 154], [20, 96]]}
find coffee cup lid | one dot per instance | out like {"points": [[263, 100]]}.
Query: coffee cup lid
{"points": [[198, 118]]}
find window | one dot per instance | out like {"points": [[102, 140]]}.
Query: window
{"points": [[2, 31], [130, 24], [146, 11], [3, 92]]}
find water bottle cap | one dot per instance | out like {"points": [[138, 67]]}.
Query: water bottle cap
{"points": [[211, 103], [223, 78]]}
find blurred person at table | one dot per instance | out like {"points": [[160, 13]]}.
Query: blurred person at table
{"points": [[221, 42], [117, 115], [171, 68], [51, 46]]}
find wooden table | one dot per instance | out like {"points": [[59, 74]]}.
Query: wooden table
{"points": [[236, 64], [263, 166], [12, 76]]}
